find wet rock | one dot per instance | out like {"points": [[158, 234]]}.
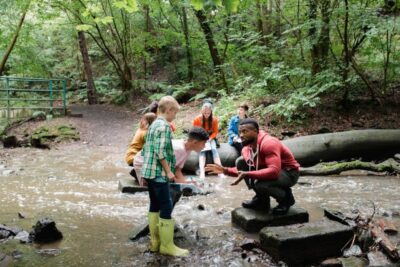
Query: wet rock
{"points": [[305, 243], [8, 172], [377, 258], [49, 251], [23, 237], [45, 231], [4, 234], [331, 263], [201, 207], [8, 231], [139, 231], [205, 233], [129, 186], [10, 141], [253, 221], [352, 251], [353, 262], [21, 215], [16, 254], [5, 260], [249, 244]]}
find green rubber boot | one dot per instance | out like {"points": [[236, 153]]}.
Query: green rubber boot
{"points": [[154, 234], [167, 247]]}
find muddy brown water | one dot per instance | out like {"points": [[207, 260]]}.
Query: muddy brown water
{"points": [[77, 186]]}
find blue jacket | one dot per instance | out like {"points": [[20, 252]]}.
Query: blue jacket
{"points": [[233, 129]]}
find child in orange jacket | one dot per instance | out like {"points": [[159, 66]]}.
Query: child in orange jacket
{"points": [[207, 121]]}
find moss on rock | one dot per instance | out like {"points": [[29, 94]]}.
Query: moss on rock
{"points": [[42, 136]]}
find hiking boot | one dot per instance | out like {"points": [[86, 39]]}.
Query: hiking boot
{"points": [[257, 203]]}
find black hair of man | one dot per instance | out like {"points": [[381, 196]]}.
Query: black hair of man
{"points": [[251, 121], [198, 133]]}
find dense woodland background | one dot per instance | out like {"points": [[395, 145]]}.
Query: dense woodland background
{"points": [[285, 57]]}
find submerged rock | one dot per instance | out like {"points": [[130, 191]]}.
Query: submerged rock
{"points": [[45, 231]]}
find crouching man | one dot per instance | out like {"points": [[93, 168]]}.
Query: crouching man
{"points": [[267, 166]]}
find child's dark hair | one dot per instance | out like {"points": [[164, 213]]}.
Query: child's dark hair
{"points": [[250, 121], [147, 118], [198, 133]]}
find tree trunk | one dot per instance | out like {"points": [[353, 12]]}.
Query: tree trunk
{"points": [[319, 43], [346, 54], [189, 56], [13, 41], [91, 89], [312, 31], [212, 47]]}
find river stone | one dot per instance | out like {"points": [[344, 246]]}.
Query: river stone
{"points": [[253, 221], [307, 243], [10, 141], [139, 231], [354, 262], [377, 258], [45, 231], [130, 186]]}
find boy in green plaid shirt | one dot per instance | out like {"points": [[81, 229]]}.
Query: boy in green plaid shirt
{"points": [[158, 170]]}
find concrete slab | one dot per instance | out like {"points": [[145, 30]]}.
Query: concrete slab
{"points": [[253, 221], [305, 243]]}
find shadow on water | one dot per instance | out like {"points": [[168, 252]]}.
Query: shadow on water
{"points": [[77, 187]]}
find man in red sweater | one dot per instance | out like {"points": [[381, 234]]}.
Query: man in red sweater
{"points": [[267, 166]]}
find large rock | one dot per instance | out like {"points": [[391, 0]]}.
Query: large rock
{"points": [[304, 244], [253, 221], [45, 231]]}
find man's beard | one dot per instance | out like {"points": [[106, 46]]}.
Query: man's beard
{"points": [[247, 141]]}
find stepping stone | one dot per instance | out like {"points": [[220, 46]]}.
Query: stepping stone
{"points": [[253, 221], [307, 243], [130, 186]]}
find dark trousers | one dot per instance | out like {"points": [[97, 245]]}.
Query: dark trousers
{"points": [[160, 198], [275, 188]]}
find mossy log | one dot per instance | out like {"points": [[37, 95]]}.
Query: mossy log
{"points": [[331, 168]]}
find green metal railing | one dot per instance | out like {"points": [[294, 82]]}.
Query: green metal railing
{"points": [[47, 91]]}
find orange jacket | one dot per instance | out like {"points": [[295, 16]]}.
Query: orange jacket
{"points": [[212, 131]]}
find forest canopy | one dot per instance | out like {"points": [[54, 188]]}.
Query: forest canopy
{"points": [[283, 55]]}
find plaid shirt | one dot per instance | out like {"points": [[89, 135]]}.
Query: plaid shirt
{"points": [[158, 146]]}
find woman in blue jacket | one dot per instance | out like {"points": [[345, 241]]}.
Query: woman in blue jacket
{"points": [[233, 130]]}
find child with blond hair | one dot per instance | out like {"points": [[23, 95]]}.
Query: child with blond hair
{"points": [[158, 170]]}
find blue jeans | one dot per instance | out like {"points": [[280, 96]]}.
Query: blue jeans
{"points": [[160, 198]]}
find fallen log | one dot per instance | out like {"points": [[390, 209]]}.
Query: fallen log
{"points": [[313, 149], [366, 144], [331, 168]]}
